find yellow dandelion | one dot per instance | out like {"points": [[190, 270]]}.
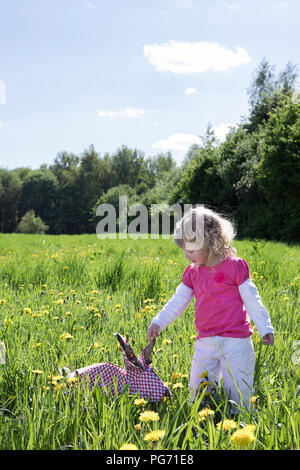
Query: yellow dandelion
{"points": [[27, 310], [205, 413], [154, 436], [175, 376], [204, 384], [243, 437], [178, 385], [72, 380], [66, 336], [226, 425], [68, 314], [128, 446], [148, 416], [204, 374], [55, 378], [58, 387], [250, 427], [193, 337], [2, 301], [166, 341], [37, 371], [140, 402], [138, 427]]}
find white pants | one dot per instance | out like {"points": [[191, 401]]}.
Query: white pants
{"points": [[232, 359]]}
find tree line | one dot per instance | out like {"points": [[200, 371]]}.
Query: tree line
{"points": [[252, 176]]}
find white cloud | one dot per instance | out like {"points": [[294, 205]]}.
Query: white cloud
{"points": [[194, 57], [177, 142], [131, 113], [190, 91], [2, 124], [221, 130]]}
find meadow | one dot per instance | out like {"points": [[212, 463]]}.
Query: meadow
{"points": [[61, 300]]}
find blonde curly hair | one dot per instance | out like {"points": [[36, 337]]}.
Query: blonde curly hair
{"points": [[204, 229]]}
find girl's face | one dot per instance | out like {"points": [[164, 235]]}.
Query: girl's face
{"points": [[198, 257]]}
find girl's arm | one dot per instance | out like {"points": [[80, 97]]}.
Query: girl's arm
{"points": [[255, 308], [175, 307]]}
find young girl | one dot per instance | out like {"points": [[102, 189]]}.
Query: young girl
{"points": [[225, 295]]}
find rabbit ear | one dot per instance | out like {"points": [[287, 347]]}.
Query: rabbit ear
{"points": [[128, 351], [148, 352]]}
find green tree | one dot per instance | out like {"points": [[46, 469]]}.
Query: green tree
{"points": [[31, 224], [10, 193], [199, 179], [128, 167], [39, 193], [279, 171], [267, 92]]}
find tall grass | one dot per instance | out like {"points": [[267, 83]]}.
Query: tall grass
{"points": [[90, 288]]}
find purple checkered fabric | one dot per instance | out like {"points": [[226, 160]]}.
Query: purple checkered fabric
{"points": [[142, 381]]}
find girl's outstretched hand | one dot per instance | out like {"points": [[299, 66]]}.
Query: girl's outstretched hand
{"points": [[153, 331], [268, 339]]}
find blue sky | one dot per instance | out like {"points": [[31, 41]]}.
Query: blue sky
{"points": [[147, 74]]}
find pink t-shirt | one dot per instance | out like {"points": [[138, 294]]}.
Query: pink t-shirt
{"points": [[219, 309]]}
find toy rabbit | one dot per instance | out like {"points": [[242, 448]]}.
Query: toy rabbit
{"points": [[138, 377]]}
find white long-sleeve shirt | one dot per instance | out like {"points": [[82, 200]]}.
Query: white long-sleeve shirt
{"points": [[249, 295]]}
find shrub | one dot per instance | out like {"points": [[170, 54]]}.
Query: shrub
{"points": [[31, 224]]}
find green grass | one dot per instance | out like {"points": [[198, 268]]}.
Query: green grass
{"points": [[91, 288]]}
